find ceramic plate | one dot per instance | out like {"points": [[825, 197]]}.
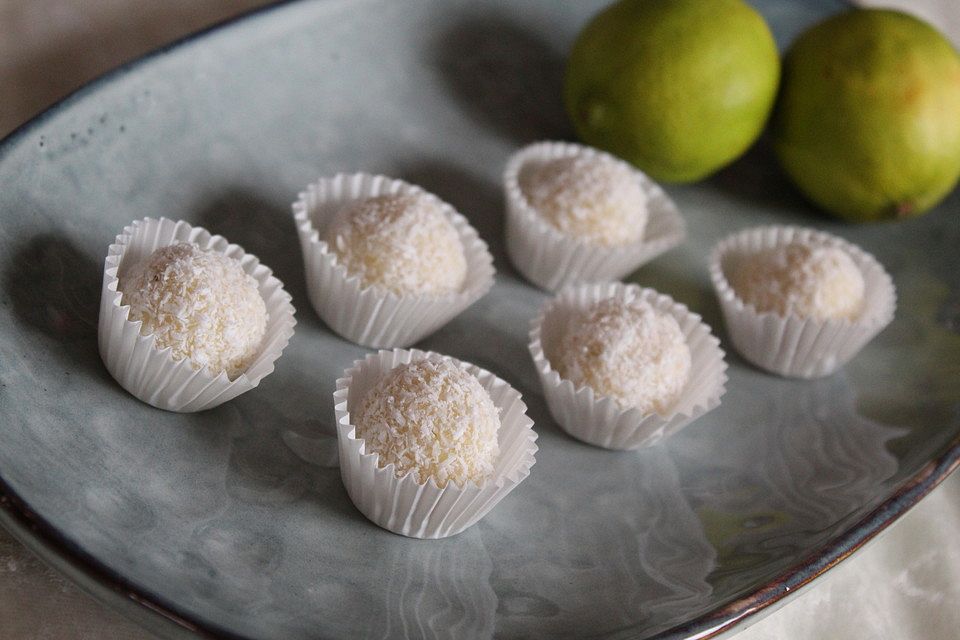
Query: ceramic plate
{"points": [[234, 522]]}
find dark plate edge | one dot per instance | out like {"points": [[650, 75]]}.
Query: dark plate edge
{"points": [[721, 620], [718, 622], [122, 69], [709, 625], [16, 516], [41, 538]]}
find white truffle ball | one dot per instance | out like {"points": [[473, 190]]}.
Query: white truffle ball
{"points": [[802, 279], [200, 304], [405, 244], [594, 198], [629, 351], [432, 419]]}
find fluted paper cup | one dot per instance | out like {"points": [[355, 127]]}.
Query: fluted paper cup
{"points": [[151, 374], [373, 316], [551, 259], [792, 345], [402, 505], [600, 420]]}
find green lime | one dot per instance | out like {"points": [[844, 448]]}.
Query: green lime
{"points": [[868, 121], [679, 88]]}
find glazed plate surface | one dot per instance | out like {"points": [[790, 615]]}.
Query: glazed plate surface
{"points": [[234, 522]]}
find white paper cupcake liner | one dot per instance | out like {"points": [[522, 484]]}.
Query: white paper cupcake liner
{"points": [[403, 506], [372, 316], [794, 346], [599, 419], [151, 374], [553, 260]]}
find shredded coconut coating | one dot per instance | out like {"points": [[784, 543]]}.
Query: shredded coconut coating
{"points": [[405, 244], [801, 279], [433, 419], [594, 198], [201, 304], [628, 351]]}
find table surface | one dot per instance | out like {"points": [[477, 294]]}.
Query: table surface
{"points": [[901, 586]]}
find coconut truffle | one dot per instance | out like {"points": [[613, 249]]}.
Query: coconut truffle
{"points": [[595, 198], [200, 304], [802, 279], [432, 419], [628, 351], [402, 243]]}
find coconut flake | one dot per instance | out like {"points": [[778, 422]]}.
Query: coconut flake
{"points": [[803, 279], [433, 419], [591, 197], [628, 351], [405, 244], [199, 304]]}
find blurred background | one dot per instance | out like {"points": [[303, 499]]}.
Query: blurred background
{"points": [[900, 587], [48, 48]]}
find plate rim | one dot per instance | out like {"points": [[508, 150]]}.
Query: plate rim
{"points": [[36, 533]]}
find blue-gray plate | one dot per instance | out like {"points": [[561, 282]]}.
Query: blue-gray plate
{"points": [[234, 522]]}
